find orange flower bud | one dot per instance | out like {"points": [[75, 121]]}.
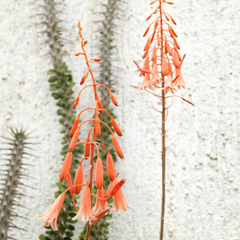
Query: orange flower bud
{"points": [[85, 42], [170, 69], [78, 179], [116, 127], [175, 59], [146, 63], [113, 99], [174, 33], [165, 46], [100, 106], [77, 54], [66, 166], [87, 146], [110, 167], [173, 21], [74, 127], [145, 33], [75, 102], [117, 146], [149, 17], [146, 52], [96, 59], [155, 25], [99, 173], [117, 186], [154, 54], [73, 141], [97, 127], [147, 45], [179, 57], [168, 49], [152, 38], [158, 39], [164, 66], [170, 31], [84, 77], [176, 43]]}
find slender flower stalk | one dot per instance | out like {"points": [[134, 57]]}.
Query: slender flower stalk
{"points": [[162, 75], [86, 210]]}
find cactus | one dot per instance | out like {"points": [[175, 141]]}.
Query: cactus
{"points": [[13, 173]]}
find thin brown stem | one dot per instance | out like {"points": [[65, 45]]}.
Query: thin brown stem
{"points": [[163, 133]]}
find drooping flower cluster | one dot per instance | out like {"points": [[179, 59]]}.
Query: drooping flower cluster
{"points": [[95, 173], [162, 60]]}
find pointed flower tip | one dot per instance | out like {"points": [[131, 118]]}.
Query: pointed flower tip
{"points": [[75, 102], [73, 141], [74, 127], [114, 100], [96, 59], [79, 53], [117, 146], [117, 186], [84, 77], [66, 166], [116, 127]]}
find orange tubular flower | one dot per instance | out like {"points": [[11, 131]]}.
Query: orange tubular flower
{"points": [[101, 205], [119, 201], [99, 173], [78, 179], [50, 216], [66, 166], [85, 209], [110, 167]]}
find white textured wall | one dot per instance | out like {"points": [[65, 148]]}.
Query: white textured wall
{"points": [[203, 180]]}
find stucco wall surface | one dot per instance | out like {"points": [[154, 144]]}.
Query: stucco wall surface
{"points": [[203, 166]]}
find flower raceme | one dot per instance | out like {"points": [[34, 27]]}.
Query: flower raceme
{"points": [[161, 54], [86, 211]]}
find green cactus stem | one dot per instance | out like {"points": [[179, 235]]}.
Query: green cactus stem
{"points": [[12, 180]]}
